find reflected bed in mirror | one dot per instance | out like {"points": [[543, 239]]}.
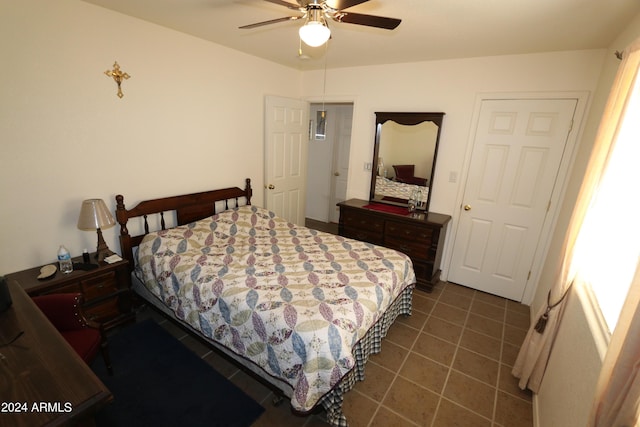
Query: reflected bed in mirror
{"points": [[404, 158]]}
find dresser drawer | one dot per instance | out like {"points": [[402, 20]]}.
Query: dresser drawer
{"points": [[363, 235], [423, 270], [417, 233], [415, 249], [369, 223]]}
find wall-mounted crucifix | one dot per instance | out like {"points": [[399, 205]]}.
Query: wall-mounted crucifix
{"points": [[117, 75]]}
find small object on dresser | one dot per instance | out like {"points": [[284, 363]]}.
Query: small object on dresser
{"points": [[47, 271], [113, 258], [85, 257], [64, 258]]}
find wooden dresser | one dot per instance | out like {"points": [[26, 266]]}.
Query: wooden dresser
{"points": [[421, 235]]}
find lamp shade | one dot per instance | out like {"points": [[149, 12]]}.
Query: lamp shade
{"points": [[314, 33], [94, 215]]}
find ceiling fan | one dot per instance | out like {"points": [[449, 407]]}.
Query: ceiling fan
{"points": [[315, 31]]}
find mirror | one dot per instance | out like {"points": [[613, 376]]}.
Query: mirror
{"points": [[404, 157]]}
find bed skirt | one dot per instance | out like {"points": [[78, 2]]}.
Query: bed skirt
{"points": [[370, 344]]}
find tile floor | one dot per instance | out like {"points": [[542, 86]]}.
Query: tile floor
{"points": [[448, 364]]}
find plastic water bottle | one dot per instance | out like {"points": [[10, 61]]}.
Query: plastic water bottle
{"points": [[64, 258], [412, 202], [418, 197]]}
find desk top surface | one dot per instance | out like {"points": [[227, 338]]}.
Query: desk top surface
{"points": [[43, 381]]}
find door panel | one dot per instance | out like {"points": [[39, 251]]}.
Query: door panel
{"points": [[517, 152], [286, 157]]}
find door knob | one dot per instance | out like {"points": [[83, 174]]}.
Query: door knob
{"points": [[271, 187], [336, 174], [467, 207]]}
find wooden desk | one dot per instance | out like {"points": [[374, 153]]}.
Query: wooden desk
{"points": [[42, 379]]}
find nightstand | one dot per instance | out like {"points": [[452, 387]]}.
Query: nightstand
{"points": [[106, 289]]}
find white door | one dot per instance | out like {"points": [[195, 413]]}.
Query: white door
{"points": [[286, 157], [516, 156], [341, 161]]}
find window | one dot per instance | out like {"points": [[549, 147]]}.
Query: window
{"points": [[608, 247]]}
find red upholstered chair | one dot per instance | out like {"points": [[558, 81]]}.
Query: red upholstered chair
{"points": [[86, 337], [404, 173]]}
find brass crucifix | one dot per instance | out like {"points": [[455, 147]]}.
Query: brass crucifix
{"points": [[117, 76]]}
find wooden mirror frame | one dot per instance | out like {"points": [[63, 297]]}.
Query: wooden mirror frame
{"points": [[403, 119]]}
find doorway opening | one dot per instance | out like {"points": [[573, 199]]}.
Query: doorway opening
{"points": [[328, 163]]}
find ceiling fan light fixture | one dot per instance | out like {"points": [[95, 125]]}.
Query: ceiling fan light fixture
{"points": [[314, 33]]}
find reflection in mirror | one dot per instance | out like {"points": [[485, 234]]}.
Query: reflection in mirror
{"points": [[321, 125], [404, 157]]}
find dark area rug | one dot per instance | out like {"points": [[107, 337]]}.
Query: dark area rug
{"points": [[157, 381]]}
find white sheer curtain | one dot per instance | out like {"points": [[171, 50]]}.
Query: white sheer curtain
{"points": [[617, 399], [534, 353]]}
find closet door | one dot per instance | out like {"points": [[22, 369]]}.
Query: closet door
{"points": [[517, 152]]}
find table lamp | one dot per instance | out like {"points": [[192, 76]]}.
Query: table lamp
{"points": [[94, 215]]}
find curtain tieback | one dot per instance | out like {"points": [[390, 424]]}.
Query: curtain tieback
{"points": [[542, 321]]}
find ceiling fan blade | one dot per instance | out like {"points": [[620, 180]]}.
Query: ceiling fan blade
{"points": [[271, 21], [368, 20], [285, 4], [343, 4]]}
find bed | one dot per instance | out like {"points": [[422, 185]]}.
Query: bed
{"points": [[389, 189], [299, 308]]}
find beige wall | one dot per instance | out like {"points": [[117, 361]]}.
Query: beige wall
{"points": [[191, 119]]}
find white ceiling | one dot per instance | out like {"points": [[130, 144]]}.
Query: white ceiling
{"points": [[430, 29]]}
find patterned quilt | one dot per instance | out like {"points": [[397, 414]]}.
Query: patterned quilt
{"points": [[293, 300], [400, 190]]}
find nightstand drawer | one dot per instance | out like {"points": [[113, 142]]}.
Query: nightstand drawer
{"points": [[66, 289], [99, 286]]}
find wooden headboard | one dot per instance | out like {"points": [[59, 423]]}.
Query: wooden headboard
{"points": [[188, 208]]}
